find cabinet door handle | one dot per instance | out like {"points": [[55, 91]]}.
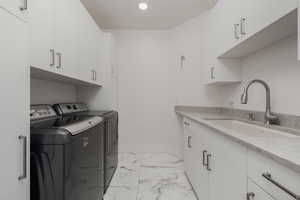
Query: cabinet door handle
{"points": [[208, 162], [189, 141], [203, 158], [236, 35], [24, 159], [186, 123], [250, 196], [268, 176], [25, 6], [243, 28], [59, 60], [212, 72], [52, 57]]}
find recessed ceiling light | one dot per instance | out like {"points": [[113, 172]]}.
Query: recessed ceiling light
{"points": [[143, 6]]}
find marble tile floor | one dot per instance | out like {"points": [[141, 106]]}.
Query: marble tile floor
{"points": [[158, 176]]}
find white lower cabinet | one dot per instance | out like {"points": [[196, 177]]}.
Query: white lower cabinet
{"points": [[193, 159], [220, 168], [228, 175], [215, 166], [263, 170], [14, 87], [256, 193]]}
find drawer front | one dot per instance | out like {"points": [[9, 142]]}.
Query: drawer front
{"points": [[256, 193], [289, 179]]}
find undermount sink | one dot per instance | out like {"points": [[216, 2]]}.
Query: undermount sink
{"points": [[250, 130]]}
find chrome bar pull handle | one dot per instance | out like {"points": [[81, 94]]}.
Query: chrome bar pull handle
{"points": [[59, 60], [236, 35], [52, 57], [189, 141], [268, 176], [212, 73], [186, 123], [24, 161], [243, 23], [250, 195], [203, 158], [25, 6], [208, 157]]}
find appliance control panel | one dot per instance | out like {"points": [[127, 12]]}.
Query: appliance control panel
{"points": [[41, 111], [70, 108]]}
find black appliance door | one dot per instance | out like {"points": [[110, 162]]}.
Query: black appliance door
{"points": [[111, 150], [47, 182], [86, 169]]}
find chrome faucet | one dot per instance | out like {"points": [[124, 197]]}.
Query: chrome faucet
{"points": [[270, 118]]}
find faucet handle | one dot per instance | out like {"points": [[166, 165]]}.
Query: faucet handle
{"points": [[272, 119], [251, 116]]}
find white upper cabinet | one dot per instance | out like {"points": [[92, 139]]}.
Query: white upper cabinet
{"points": [[90, 47], [66, 34], [251, 17], [258, 14], [14, 87], [17, 7], [42, 52], [223, 71], [64, 40], [225, 19]]}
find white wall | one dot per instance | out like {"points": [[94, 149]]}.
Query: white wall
{"points": [[278, 66], [49, 92], [146, 101]]}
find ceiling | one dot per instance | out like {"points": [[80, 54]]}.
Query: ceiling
{"points": [[162, 14]]}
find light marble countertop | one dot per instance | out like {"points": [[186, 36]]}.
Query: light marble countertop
{"points": [[283, 148]]}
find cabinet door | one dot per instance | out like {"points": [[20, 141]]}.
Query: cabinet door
{"points": [[224, 71], [14, 84], [188, 154], [87, 45], [42, 53], [228, 164], [200, 175], [225, 15], [261, 13], [66, 36], [258, 165], [101, 54], [17, 7], [256, 193]]}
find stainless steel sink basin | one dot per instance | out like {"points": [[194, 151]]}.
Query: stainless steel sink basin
{"points": [[251, 130]]}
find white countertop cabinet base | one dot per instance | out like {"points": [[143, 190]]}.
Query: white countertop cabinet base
{"points": [[210, 164], [233, 171]]}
